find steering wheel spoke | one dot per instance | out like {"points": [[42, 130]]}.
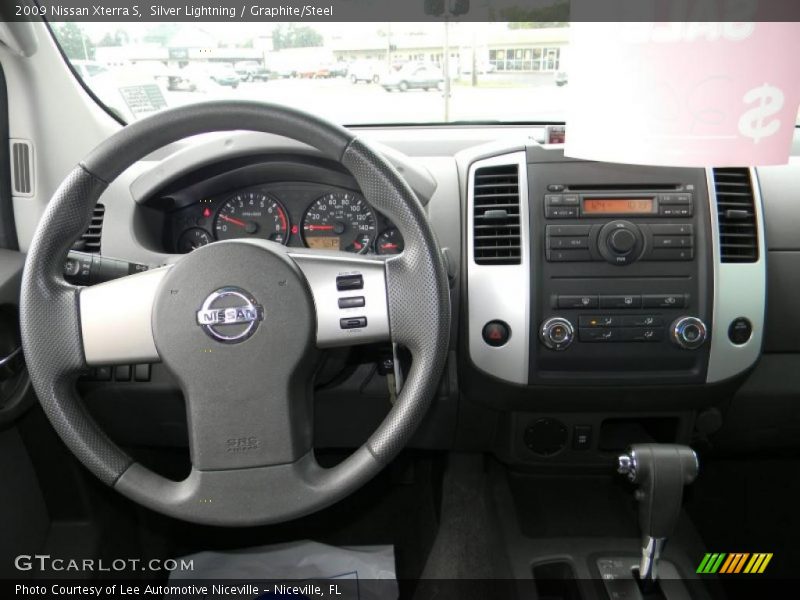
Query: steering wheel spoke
{"points": [[116, 319], [350, 297]]}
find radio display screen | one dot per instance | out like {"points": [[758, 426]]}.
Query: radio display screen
{"points": [[618, 206]]}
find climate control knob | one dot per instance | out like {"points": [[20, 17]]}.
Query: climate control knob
{"points": [[557, 333], [688, 332]]}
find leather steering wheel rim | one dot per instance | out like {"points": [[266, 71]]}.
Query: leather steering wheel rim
{"points": [[51, 323]]}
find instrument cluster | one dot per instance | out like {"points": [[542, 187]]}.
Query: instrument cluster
{"points": [[293, 214]]}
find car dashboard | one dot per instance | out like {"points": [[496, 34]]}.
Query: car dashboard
{"points": [[593, 304]]}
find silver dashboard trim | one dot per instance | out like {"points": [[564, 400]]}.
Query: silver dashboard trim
{"points": [[500, 292], [116, 319], [321, 271], [740, 290]]}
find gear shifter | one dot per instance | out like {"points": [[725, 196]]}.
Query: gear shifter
{"points": [[660, 471]]}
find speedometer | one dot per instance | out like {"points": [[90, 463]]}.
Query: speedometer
{"points": [[340, 221], [252, 214]]}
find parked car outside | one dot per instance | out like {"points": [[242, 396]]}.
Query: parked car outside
{"points": [[368, 71], [414, 76], [251, 70]]}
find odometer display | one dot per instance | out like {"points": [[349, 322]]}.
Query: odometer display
{"points": [[252, 214], [340, 221]]}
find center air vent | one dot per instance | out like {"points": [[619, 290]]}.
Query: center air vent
{"points": [[90, 240], [496, 215], [736, 209]]}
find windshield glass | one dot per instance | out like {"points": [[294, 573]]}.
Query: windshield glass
{"points": [[351, 73]]}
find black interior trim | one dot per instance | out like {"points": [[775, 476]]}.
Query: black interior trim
{"points": [[8, 230]]}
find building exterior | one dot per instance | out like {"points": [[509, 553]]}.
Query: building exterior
{"points": [[491, 47]]}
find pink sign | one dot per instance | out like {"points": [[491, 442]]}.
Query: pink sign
{"points": [[683, 94]]}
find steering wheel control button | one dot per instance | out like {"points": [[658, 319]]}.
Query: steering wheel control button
{"points": [[496, 333], [353, 323], [141, 372], [546, 437], [230, 315], [740, 331], [577, 302], [122, 373], [346, 283], [688, 333], [351, 302], [631, 301], [557, 333]]}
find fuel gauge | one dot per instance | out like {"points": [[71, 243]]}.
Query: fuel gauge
{"points": [[389, 242], [192, 239]]}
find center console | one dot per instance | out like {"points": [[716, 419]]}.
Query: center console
{"points": [[621, 273], [586, 273]]}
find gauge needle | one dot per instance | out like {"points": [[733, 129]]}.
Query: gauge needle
{"points": [[389, 246], [319, 227], [233, 220]]}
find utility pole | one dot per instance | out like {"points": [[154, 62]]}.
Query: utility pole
{"points": [[474, 57], [446, 68], [389, 47]]}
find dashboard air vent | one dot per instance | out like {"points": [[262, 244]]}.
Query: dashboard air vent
{"points": [[496, 215], [90, 240], [738, 231]]}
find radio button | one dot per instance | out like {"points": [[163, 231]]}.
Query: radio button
{"points": [[577, 302], [642, 321], [561, 212], [675, 211], [569, 256], [675, 199], [568, 230], [664, 229], [571, 200], [620, 301], [556, 187], [554, 200], [671, 254], [569, 242], [677, 241], [600, 321], [664, 301]]}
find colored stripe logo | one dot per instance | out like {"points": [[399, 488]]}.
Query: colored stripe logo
{"points": [[733, 563]]}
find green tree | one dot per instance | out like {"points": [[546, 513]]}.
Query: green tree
{"points": [[296, 37], [118, 38], [74, 41], [161, 33]]}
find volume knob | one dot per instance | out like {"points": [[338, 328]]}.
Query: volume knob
{"points": [[622, 241]]}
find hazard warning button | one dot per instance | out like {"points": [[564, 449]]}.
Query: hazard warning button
{"points": [[496, 333]]}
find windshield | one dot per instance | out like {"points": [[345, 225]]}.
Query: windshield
{"points": [[351, 73]]}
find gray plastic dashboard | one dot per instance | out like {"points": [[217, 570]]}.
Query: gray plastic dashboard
{"points": [[437, 163]]}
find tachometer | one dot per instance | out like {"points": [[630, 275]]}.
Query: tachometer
{"points": [[340, 221], [252, 214]]}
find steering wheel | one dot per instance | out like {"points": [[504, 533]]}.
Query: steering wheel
{"points": [[240, 325]]}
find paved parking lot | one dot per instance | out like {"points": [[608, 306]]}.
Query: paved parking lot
{"points": [[497, 98]]}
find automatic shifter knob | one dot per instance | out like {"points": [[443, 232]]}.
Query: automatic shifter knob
{"points": [[660, 471]]}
